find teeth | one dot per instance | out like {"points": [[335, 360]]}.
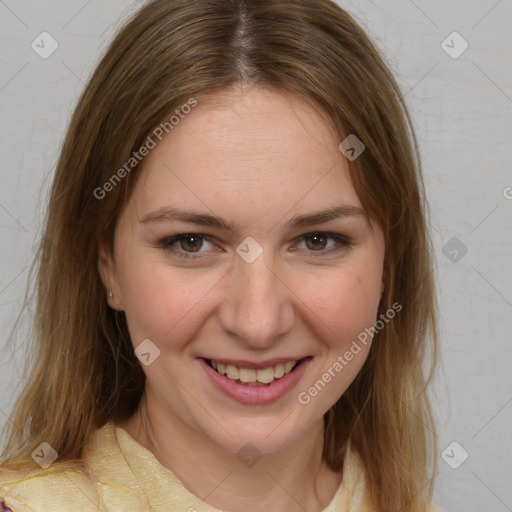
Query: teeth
{"points": [[248, 375], [265, 376], [278, 370], [232, 372], [288, 366]]}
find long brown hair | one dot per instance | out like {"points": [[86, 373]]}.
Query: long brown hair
{"points": [[84, 371]]}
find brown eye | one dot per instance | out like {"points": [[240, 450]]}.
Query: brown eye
{"points": [[316, 241], [191, 243], [324, 244]]}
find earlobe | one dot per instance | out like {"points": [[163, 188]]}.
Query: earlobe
{"points": [[108, 276]]}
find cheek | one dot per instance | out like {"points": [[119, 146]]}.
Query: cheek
{"points": [[161, 302], [346, 301]]}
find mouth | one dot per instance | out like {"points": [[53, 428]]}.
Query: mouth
{"points": [[252, 377], [252, 383]]}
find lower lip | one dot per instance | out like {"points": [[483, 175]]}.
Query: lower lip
{"points": [[256, 395]]}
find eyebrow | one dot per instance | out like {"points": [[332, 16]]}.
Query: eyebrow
{"points": [[213, 221]]}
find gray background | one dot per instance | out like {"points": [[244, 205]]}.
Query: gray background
{"points": [[462, 108]]}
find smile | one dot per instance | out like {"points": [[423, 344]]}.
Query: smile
{"points": [[255, 383], [252, 376]]}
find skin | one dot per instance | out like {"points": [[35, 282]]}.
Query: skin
{"points": [[257, 158]]}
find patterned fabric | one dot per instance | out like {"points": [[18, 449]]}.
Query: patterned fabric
{"points": [[123, 475]]}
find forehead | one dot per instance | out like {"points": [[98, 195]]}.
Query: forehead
{"points": [[247, 150]]}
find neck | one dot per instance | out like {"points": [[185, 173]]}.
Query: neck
{"points": [[292, 479]]}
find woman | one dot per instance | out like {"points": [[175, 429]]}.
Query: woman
{"points": [[235, 294]]}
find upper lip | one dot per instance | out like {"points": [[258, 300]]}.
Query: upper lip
{"points": [[242, 363]]}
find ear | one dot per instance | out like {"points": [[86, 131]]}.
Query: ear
{"points": [[108, 275]]}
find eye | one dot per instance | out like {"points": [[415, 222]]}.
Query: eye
{"points": [[192, 242], [317, 243], [189, 245]]}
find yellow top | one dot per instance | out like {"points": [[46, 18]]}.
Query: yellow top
{"points": [[127, 477]]}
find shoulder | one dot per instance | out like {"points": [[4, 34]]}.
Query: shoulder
{"points": [[65, 486], [47, 489]]}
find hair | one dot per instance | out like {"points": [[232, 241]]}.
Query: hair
{"points": [[84, 369]]}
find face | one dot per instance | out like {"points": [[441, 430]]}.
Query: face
{"points": [[253, 281]]}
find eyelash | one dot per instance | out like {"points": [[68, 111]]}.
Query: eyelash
{"points": [[342, 241]]}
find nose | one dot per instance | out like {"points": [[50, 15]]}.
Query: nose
{"points": [[258, 305]]}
